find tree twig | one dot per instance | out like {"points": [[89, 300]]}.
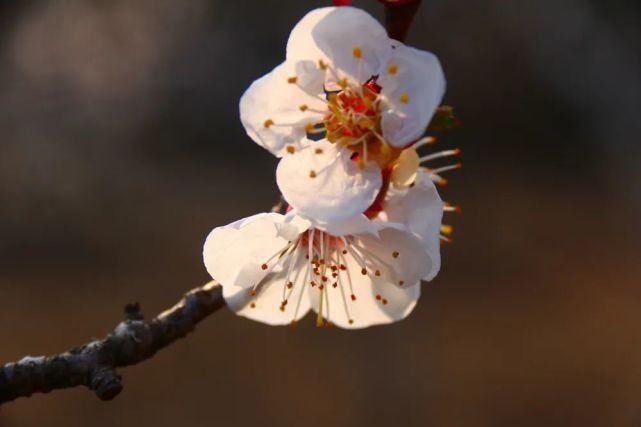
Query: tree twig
{"points": [[94, 364]]}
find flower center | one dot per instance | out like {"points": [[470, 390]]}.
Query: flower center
{"points": [[354, 121]]}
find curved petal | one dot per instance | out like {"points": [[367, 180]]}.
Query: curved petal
{"points": [[322, 183], [376, 301], [413, 86], [276, 108], [358, 224], [234, 254], [334, 35], [421, 209], [396, 255], [266, 304]]}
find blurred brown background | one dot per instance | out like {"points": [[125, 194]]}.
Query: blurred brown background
{"points": [[120, 148]]}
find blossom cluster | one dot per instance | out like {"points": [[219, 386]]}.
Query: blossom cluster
{"points": [[346, 113]]}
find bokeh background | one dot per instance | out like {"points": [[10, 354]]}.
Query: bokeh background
{"points": [[120, 148]]}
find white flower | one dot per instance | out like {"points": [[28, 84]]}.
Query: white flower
{"points": [[322, 184], [383, 93], [357, 273]]}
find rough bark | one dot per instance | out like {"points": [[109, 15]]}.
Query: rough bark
{"points": [[94, 364]]}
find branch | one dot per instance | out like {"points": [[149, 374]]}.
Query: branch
{"points": [[94, 364]]}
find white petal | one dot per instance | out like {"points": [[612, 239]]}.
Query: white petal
{"points": [[421, 209], [265, 305], [321, 182], [358, 224], [331, 34], [395, 302], [272, 98], [411, 95], [396, 252], [234, 254]]}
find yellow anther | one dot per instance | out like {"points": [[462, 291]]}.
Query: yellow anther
{"points": [[392, 69], [404, 98], [322, 65], [290, 149], [268, 123], [312, 174], [395, 254], [252, 305], [303, 107], [319, 151], [342, 83], [357, 52], [309, 127], [446, 229], [365, 123], [292, 80]]}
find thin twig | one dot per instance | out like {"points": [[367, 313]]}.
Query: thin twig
{"points": [[94, 364]]}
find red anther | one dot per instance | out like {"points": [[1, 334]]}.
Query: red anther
{"points": [[321, 287], [264, 266], [378, 297], [384, 301], [312, 283], [343, 267], [456, 151], [341, 2], [353, 297], [363, 271], [324, 278], [344, 253], [372, 85], [334, 284]]}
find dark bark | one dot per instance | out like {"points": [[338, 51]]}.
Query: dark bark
{"points": [[94, 364]]}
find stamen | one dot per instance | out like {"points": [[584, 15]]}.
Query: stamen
{"points": [[424, 141], [312, 174], [322, 64], [446, 168], [290, 149], [447, 207], [444, 153], [303, 107], [392, 69], [268, 123], [357, 52], [404, 98], [446, 229], [292, 80]]}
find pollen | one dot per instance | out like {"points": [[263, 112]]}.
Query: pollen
{"points": [[404, 98], [446, 229], [322, 64], [392, 69], [318, 151], [350, 321], [303, 107], [292, 80], [290, 149], [357, 52], [312, 174], [395, 254], [268, 123], [252, 305]]}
